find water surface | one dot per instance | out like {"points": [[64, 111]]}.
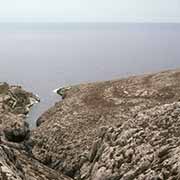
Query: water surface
{"points": [[42, 57]]}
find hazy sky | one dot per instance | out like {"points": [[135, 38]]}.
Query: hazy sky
{"points": [[90, 10]]}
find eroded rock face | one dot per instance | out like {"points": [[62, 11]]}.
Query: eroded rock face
{"points": [[17, 131], [145, 147], [17, 165], [69, 130], [16, 159], [126, 129], [18, 101], [14, 103], [8, 169]]}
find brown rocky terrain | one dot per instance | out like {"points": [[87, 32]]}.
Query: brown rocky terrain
{"points": [[127, 129], [121, 129], [144, 147], [16, 159]]}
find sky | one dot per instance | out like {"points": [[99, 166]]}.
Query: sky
{"points": [[90, 10]]}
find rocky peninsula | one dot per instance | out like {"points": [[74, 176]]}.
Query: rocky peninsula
{"points": [[126, 129]]}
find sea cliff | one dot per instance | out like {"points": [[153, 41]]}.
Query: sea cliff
{"points": [[114, 130], [16, 159]]}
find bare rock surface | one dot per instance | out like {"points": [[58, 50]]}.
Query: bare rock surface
{"points": [[145, 147], [127, 129], [14, 105], [16, 159], [121, 129], [16, 164]]}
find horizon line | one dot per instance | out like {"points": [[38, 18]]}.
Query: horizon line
{"points": [[93, 22]]}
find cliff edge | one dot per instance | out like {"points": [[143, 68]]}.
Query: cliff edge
{"points": [[126, 129], [121, 129], [16, 159]]}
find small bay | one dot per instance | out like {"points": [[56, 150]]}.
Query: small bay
{"points": [[42, 57]]}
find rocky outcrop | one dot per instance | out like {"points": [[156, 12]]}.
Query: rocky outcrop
{"points": [[16, 159], [17, 165], [144, 147], [16, 100], [125, 129], [68, 139], [17, 131], [14, 105]]}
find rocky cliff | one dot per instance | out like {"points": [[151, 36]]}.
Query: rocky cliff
{"points": [[121, 129], [16, 159], [127, 129]]}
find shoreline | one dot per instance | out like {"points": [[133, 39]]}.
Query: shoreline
{"points": [[80, 123], [123, 128], [17, 161]]}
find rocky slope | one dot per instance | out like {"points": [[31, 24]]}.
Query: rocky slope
{"points": [[127, 129], [144, 147], [16, 159], [122, 129]]}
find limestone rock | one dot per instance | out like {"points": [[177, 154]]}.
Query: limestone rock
{"points": [[150, 147], [71, 127], [18, 131], [17, 165], [126, 129], [16, 159]]}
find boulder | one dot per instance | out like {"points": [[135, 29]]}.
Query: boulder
{"points": [[16, 164], [18, 131]]}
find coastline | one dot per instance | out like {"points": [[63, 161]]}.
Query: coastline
{"points": [[119, 129], [17, 161]]}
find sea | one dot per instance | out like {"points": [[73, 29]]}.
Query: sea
{"points": [[44, 56]]}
